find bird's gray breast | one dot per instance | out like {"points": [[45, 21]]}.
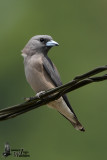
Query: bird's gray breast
{"points": [[36, 75]]}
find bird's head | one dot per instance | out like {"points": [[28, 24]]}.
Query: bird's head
{"points": [[39, 44]]}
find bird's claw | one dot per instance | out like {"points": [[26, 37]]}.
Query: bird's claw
{"points": [[28, 99], [38, 95]]}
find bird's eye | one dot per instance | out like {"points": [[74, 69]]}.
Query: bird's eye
{"points": [[42, 39]]}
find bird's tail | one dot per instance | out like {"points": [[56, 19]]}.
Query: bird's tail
{"points": [[76, 124]]}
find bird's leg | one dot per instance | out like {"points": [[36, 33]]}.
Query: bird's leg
{"points": [[36, 97], [29, 98], [39, 94]]}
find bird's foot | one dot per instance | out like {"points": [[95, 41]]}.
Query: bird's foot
{"points": [[26, 98], [29, 99], [39, 94]]}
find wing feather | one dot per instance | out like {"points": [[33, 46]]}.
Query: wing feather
{"points": [[55, 77]]}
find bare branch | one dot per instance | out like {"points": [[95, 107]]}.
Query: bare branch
{"points": [[53, 94]]}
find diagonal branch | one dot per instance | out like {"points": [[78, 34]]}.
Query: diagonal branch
{"points": [[53, 94]]}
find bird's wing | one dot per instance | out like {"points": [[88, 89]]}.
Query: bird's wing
{"points": [[55, 77], [52, 71]]}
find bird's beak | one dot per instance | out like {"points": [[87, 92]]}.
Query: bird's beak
{"points": [[51, 43]]}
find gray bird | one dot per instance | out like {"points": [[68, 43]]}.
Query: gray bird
{"points": [[42, 75]]}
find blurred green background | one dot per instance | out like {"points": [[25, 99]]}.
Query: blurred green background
{"points": [[80, 27]]}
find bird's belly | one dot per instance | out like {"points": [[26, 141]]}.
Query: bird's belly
{"points": [[37, 80]]}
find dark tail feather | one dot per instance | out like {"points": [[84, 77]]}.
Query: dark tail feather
{"points": [[77, 125]]}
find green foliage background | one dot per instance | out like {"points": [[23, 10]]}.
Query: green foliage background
{"points": [[80, 27]]}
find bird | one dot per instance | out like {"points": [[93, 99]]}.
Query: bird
{"points": [[42, 75]]}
